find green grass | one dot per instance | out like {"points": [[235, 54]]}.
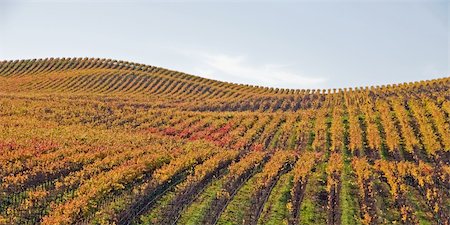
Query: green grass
{"points": [[195, 213], [236, 210], [312, 210], [158, 208], [419, 207], [386, 210], [348, 197], [275, 210]]}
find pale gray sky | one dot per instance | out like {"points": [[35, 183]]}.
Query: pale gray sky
{"points": [[294, 44]]}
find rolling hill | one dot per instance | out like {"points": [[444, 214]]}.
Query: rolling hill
{"points": [[100, 141]]}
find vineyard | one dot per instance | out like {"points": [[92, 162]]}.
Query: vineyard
{"points": [[97, 141]]}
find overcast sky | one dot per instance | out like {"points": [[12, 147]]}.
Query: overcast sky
{"points": [[293, 44]]}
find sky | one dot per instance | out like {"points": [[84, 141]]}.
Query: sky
{"points": [[287, 44]]}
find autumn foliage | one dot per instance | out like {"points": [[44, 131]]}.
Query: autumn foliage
{"points": [[100, 141]]}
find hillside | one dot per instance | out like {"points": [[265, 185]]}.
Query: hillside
{"points": [[98, 141]]}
